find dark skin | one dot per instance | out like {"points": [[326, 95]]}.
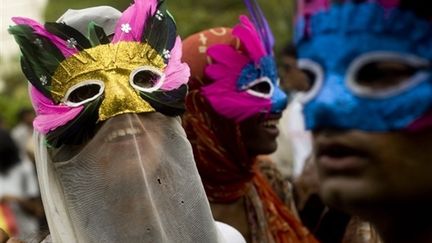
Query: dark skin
{"points": [[259, 134], [382, 177], [233, 214], [385, 179], [292, 78]]}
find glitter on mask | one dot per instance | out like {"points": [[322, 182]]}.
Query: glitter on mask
{"points": [[166, 54], [72, 43], [44, 80], [159, 15], [111, 64], [38, 42]]}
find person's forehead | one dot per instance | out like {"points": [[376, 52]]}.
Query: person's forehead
{"points": [[288, 59], [354, 27], [336, 49]]}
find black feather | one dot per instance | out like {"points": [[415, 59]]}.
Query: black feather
{"points": [[41, 56], [78, 131], [160, 30], [32, 78], [169, 103], [66, 32]]}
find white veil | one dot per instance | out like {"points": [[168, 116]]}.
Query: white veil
{"points": [[134, 181]]}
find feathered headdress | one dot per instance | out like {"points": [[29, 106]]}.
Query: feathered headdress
{"points": [[307, 8], [245, 82], [56, 57]]}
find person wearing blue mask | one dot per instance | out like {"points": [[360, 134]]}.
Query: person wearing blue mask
{"points": [[369, 105]]}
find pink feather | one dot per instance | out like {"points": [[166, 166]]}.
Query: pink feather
{"points": [[421, 123], [220, 71], [249, 37], [227, 65], [227, 55], [50, 116], [226, 62], [315, 6], [40, 30], [222, 94], [389, 3], [229, 103], [176, 72], [135, 18]]}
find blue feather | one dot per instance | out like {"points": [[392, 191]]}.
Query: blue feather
{"points": [[261, 24]]}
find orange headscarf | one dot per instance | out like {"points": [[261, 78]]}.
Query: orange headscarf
{"points": [[226, 169]]}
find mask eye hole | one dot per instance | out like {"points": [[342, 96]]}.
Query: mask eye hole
{"points": [[311, 81], [311, 78], [261, 87], [147, 79], [84, 92], [382, 74]]}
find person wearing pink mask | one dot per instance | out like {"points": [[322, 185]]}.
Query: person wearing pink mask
{"points": [[232, 110]]}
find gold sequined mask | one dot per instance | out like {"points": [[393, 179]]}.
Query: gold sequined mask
{"points": [[80, 80], [118, 72]]}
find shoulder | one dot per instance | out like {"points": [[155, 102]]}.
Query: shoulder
{"points": [[280, 184]]}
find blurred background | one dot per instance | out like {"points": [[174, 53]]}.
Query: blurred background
{"points": [[191, 16]]}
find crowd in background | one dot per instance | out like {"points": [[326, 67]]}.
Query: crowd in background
{"points": [[21, 211]]}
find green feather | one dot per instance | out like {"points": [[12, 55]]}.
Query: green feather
{"points": [[79, 130], [66, 33], [32, 78], [41, 56], [97, 35], [169, 103], [161, 34]]}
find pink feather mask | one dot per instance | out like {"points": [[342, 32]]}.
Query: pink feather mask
{"points": [[245, 83]]}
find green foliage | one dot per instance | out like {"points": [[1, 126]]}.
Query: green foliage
{"points": [[15, 95], [193, 16]]}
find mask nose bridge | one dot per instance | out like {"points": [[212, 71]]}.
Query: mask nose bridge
{"points": [[332, 106], [120, 90], [336, 93], [279, 100], [121, 98]]}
